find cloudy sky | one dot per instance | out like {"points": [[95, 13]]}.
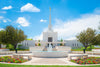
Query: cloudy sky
{"points": [[69, 17]]}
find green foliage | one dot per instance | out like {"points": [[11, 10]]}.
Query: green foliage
{"points": [[9, 46], [20, 49], [61, 40], [19, 45], [38, 40], [87, 37], [0, 45], [39, 43], [97, 39], [12, 36], [61, 44], [81, 48], [29, 39]]}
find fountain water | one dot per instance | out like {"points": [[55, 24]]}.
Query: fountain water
{"points": [[62, 51], [49, 48]]}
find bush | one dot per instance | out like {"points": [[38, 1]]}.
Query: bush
{"points": [[19, 46], [89, 48], [39, 44], [10, 46]]}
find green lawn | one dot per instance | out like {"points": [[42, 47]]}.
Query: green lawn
{"points": [[12, 65]]}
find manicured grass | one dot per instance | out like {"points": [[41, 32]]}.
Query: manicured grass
{"points": [[13, 65]]}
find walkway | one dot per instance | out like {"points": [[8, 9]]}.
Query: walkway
{"points": [[48, 61]]}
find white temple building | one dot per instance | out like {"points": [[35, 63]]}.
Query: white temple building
{"points": [[50, 37]]}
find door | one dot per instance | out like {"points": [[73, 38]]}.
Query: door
{"points": [[49, 39]]}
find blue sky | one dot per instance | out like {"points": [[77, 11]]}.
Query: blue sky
{"points": [[69, 17]]}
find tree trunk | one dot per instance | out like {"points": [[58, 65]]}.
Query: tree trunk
{"points": [[84, 50], [0, 45], [15, 48], [90, 47], [85, 47]]}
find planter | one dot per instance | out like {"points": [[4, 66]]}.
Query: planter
{"points": [[95, 49], [4, 50]]}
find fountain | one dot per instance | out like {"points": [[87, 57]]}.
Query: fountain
{"points": [[48, 51], [49, 48]]}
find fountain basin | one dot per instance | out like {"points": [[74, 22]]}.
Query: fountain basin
{"points": [[50, 53]]}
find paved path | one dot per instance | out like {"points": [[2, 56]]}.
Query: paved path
{"points": [[48, 61]]}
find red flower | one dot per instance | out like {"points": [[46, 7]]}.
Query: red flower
{"points": [[20, 61], [13, 60], [93, 61], [85, 63], [89, 61], [9, 62], [75, 60]]}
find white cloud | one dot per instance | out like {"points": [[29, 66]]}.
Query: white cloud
{"points": [[69, 29], [22, 21], [38, 37], [29, 8], [1, 29], [18, 25], [1, 17], [4, 21], [7, 7], [43, 20]]}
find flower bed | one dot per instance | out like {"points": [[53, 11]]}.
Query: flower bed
{"points": [[89, 60], [10, 59]]}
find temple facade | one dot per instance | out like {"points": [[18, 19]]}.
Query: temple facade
{"points": [[51, 37]]}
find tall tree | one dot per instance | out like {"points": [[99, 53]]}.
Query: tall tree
{"points": [[87, 37], [2, 37], [12, 36], [97, 40]]}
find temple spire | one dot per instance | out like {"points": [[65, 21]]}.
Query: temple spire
{"points": [[50, 26]]}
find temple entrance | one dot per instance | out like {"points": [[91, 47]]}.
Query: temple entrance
{"points": [[49, 39]]}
